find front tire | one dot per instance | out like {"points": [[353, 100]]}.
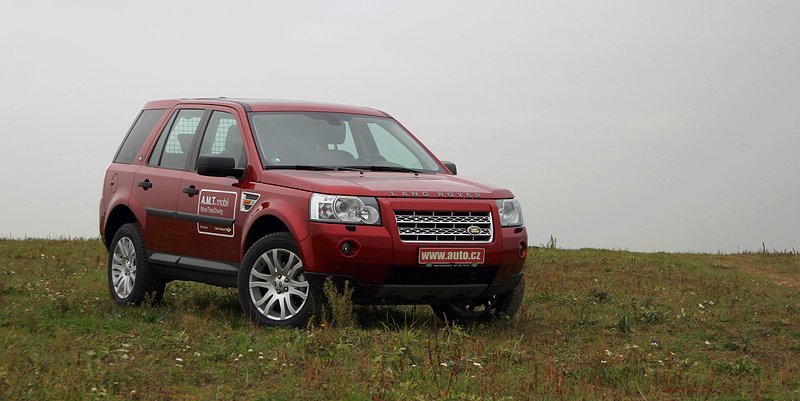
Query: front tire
{"points": [[131, 280], [483, 310], [272, 287]]}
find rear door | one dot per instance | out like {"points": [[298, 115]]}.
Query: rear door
{"points": [[215, 202], [158, 181]]}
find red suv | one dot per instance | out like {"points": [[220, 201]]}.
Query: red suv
{"points": [[275, 197]]}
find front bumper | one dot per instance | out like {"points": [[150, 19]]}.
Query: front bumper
{"points": [[385, 269]]}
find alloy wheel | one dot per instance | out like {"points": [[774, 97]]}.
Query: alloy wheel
{"points": [[277, 286], [123, 267]]}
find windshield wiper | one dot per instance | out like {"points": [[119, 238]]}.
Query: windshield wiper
{"points": [[390, 168], [315, 168], [400, 169], [349, 168], [300, 167]]}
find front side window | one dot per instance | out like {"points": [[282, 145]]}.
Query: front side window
{"points": [[223, 138], [336, 140], [173, 148]]}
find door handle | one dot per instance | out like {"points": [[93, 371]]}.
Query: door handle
{"points": [[146, 184], [190, 190]]}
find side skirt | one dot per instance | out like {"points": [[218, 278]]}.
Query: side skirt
{"points": [[175, 267]]}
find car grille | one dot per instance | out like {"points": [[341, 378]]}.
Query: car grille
{"points": [[436, 226]]}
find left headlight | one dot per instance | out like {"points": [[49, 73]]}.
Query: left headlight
{"points": [[344, 209], [510, 212]]}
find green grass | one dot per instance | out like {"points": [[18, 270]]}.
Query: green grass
{"points": [[595, 324]]}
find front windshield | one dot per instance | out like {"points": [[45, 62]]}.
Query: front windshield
{"points": [[337, 141]]}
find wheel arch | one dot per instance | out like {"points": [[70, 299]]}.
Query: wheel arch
{"points": [[119, 216], [264, 225]]}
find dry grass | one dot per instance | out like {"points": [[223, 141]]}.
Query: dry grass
{"points": [[594, 325]]}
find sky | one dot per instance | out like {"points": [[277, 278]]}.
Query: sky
{"points": [[640, 125]]}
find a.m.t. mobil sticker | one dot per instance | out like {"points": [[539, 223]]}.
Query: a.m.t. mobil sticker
{"points": [[220, 205]]}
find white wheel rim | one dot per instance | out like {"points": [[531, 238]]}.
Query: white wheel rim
{"points": [[278, 288], [123, 267]]}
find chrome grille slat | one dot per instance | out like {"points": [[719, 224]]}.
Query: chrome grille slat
{"points": [[441, 231], [443, 226], [440, 219]]}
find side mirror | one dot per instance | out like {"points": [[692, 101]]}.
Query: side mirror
{"points": [[450, 166], [218, 166]]}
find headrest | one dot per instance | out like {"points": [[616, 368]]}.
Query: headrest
{"points": [[185, 141], [233, 138], [337, 134], [329, 133]]}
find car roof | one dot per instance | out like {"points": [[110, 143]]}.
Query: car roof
{"points": [[258, 105]]}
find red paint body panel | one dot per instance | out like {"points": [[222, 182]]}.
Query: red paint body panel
{"points": [[370, 265], [116, 192], [161, 234]]}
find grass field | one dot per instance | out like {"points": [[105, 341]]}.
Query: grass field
{"points": [[595, 324]]}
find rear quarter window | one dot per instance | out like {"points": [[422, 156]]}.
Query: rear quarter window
{"points": [[138, 133]]}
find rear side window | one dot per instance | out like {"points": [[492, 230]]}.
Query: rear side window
{"points": [[173, 147], [137, 135]]}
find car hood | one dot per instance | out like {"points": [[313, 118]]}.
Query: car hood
{"points": [[383, 184]]}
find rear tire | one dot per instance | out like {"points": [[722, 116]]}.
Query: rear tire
{"points": [[483, 310], [272, 287], [131, 280]]}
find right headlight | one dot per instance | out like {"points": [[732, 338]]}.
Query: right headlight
{"points": [[510, 212], [344, 209]]}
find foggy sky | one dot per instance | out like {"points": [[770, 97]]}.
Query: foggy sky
{"points": [[636, 125]]}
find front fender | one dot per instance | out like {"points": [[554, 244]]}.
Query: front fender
{"points": [[290, 206]]}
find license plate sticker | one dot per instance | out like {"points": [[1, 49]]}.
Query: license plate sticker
{"points": [[448, 256]]}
